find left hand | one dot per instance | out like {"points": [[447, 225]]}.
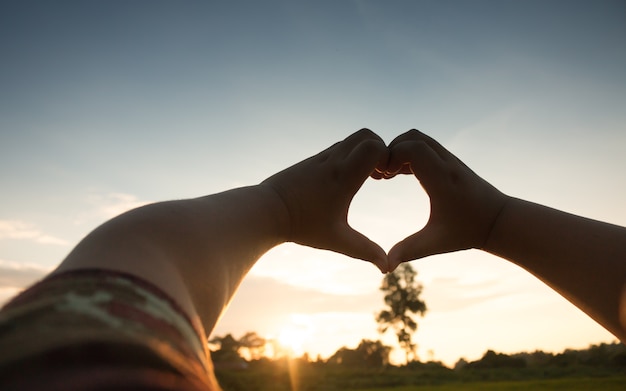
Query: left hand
{"points": [[317, 193]]}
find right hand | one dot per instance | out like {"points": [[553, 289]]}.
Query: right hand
{"points": [[464, 207]]}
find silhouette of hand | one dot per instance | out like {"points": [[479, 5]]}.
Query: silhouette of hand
{"points": [[464, 207], [317, 193]]}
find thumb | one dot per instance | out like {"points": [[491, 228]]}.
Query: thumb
{"points": [[354, 244], [419, 245]]}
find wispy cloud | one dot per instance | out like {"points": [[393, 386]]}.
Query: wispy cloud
{"points": [[321, 271], [21, 230], [14, 277], [19, 275], [113, 204], [282, 299], [106, 206]]}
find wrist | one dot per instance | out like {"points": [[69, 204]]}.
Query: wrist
{"points": [[278, 211], [504, 204]]}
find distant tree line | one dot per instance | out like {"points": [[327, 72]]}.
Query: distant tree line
{"points": [[232, 352], [603, 355], [367, 366]]}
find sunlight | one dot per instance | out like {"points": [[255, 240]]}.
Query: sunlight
{"points": [[293, 336], [291, 339]]}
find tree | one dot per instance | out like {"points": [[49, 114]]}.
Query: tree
{"points": [[254, 344], [370, 354], [374, 354], [228, 349], [402, 293], [493, 360]]}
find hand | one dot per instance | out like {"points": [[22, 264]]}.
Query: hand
{"points": [[464, 207], [317, 193]]}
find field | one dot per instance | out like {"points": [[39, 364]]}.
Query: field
{"points": [[616, 383], [324, 378], [601, 367]]}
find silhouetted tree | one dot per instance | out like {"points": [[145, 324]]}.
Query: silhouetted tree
{"points": [[228, 349], [460, 364], [493, 360], [254, 344], [535, 359], [402, 299], [373, 354]]}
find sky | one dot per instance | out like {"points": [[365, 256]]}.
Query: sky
{"points": [[105, 106]]}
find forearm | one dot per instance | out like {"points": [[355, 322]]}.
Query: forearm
{"points": [[240, 225], [196, 250], [582, 259], [199, 250]]}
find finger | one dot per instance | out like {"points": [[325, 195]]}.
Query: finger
{"points": [[419, 245], [398, 169], [344, 147], [424, 162], [377, 174], [411, 135], [367, 159], [402, 152], [354, 244], [416, 135]]}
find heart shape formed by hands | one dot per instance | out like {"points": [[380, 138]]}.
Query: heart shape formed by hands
{"points": [[318, 191], [463, 209], [389, 210]]}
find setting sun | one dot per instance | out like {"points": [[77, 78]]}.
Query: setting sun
{"points": [[291, 340], [293, 336]]}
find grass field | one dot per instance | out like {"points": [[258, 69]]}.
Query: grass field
{"points": [[591, 371], [616, 383]]}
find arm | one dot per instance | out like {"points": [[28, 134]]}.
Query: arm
{"points": [[582, 259], [199, 250]]}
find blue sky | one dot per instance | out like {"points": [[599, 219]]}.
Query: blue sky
{"points": [[108, 105]]}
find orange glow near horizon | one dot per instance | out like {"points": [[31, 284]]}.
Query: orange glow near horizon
{"points": [[295, 334]]}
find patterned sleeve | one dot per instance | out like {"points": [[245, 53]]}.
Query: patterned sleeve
{"points": [[97, 329]]}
